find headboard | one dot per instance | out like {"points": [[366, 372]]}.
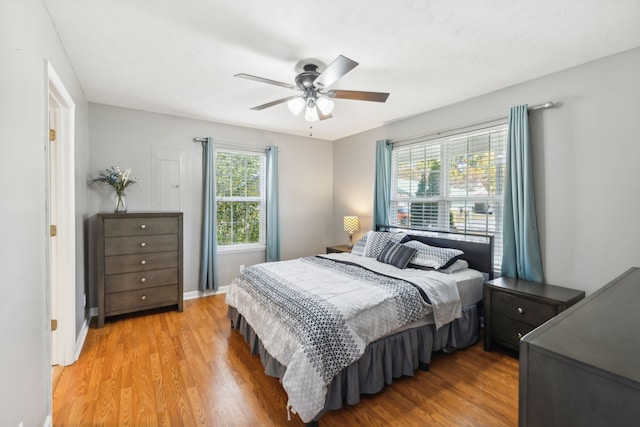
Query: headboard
{"points": [[477, 248]]}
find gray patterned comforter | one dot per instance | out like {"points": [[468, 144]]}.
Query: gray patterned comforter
{"points": [[316, 315]]}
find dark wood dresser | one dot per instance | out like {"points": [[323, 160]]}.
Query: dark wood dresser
{"points": [[582, 368], [515, 307], [139, 262]]}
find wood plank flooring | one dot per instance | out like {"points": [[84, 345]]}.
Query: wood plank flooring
{"points": [[191, 369]]}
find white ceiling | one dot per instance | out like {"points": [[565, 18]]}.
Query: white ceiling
{"points": [[179, 57]]}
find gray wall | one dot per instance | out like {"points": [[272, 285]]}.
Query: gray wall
{"points": [[585, 154], [125, 138], [27, 39]]}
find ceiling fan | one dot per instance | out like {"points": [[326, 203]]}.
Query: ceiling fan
{"points": [[313, 86]]}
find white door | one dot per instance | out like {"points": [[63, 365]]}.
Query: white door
{"points": [[57, 353], [168, 179], [169, 185], [60, 211]]}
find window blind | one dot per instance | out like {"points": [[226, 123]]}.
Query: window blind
{"points": [[452, 183]]}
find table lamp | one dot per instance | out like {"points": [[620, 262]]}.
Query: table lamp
{"points": [[350, 226]]}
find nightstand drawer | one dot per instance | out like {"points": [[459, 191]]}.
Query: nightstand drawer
{"points": [[521, 309], [508, 331], [515, 307]]}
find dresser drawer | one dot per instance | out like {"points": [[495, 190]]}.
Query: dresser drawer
{"points": [[140, 299], [116, 227], [509, 331], [140, 280], [522, 309], [140, 244], [140, 262]]}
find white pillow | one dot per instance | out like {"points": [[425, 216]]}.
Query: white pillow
{"points": [[460, 264], [358, 248], [433, 256], [377, 241]]}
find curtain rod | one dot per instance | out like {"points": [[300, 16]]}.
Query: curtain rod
{"points": [[234, 145], [544, 106]]}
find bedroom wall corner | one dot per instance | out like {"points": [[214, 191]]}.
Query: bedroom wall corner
{"points": [[354, 160]]}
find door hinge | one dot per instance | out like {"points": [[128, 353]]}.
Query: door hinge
{"points": [[53, 230], [52, 134], [54, 324]]}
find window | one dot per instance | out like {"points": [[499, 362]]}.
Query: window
{"points": [[452, 183], [240, 198]]}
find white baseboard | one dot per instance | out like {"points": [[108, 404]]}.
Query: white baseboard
{"points": [[48, 422], [200, 294], [82, 336]]}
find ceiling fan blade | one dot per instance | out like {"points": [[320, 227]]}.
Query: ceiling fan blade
{"points": [[276, 102], [263, 80], [358, 95], [338, 68]]}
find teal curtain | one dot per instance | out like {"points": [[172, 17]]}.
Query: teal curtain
{"points": [[382, 188], [209, 245], [521, 248], [273, 220]]}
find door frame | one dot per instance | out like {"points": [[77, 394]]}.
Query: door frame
{"points": [[65, 298]]}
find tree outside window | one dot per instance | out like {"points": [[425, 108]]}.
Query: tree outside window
{"points": [[240, 197]]}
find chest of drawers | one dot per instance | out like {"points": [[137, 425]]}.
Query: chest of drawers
{"points": [[139, 262], [581, 368], [515, 307]]}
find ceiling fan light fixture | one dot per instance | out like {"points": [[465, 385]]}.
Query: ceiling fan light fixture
{"points": [[296, 105], [311, 115], [325, 105]]}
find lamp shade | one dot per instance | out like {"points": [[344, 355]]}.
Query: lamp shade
{"points": [[325, 105], [351, 224], [311, 114], [296, 105]]}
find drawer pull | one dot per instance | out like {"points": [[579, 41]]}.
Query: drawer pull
{"points": [[143, 226], [144, 297], [519, 336], [143, 262], [520, 310], [143, 244], [144, 279]]}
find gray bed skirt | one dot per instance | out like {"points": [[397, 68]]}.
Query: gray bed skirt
{"points": [[390, 357]]}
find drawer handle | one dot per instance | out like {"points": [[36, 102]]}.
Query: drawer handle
{"points": [[143, 226], [144, 297], [143, 244], [143, 262], [520, 310], [144, 279], [519, 336]]}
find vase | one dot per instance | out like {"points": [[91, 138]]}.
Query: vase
{"points": [[121, 203]]}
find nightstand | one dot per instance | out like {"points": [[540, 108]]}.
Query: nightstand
{"points": [[338, 248], [515, 307]]}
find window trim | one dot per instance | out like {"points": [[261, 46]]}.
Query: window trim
{"points": [[444, 200], [261, 244]]}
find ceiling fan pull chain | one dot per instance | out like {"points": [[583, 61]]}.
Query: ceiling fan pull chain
{"points": [[311, 129]]}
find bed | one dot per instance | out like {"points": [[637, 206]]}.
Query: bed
{"points": [[335, 326]]}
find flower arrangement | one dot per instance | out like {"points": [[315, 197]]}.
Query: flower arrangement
{"points": [[119, 181], [116, 178]]}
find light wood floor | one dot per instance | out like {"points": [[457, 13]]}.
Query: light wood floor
{"points": [[190, 368]]}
